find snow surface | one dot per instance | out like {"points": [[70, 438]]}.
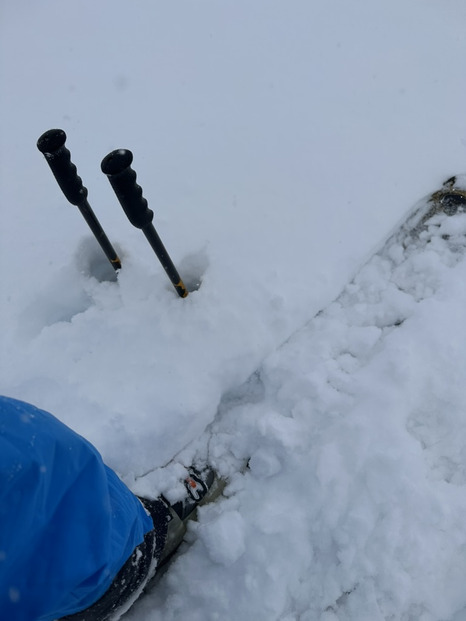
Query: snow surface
{"points": [[277, 143]]}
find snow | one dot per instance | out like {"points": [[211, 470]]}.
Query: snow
{"points": [[278, 144]]}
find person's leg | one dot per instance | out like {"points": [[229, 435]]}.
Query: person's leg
{"points": [[68, 525]]}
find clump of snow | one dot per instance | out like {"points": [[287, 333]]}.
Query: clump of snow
{"points": [[224, 537]]}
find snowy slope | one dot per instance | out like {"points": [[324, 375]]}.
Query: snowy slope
{"points": [[277, 144]]}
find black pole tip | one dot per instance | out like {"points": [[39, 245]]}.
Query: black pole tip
{"points": [[116, 162], [51, 141]]}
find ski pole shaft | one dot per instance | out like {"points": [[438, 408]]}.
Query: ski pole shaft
{"points": [[117, 166], [157, 246], [52, 145]]}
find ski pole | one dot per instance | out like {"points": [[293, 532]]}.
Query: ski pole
{"points": [[52, 145], [117, 166]]}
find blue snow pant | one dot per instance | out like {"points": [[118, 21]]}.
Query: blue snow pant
{"points": [[67, 522]]}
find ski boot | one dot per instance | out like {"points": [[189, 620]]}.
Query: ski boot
{"points": [[202, 487], [158, 546]]}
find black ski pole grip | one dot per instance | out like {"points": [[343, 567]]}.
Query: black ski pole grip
{"points": [[52, 145], [117, 166]]}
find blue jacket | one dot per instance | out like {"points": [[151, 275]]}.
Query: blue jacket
{"points": [[67, 522]]}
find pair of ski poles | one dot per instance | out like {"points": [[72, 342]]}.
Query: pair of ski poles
{"points": [[117, 166]]}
